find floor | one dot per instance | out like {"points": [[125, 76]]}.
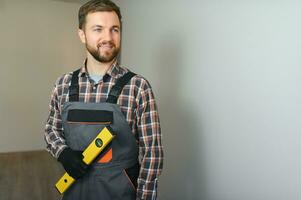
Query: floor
{"points": [[29, 176]]}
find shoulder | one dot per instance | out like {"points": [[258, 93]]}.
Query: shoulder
{"points": [[138, 81], [141, 82], [62, 83], [142, 89], [63, 79]]}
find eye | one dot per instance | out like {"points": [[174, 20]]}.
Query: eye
{"points": [[97, 30], [115, 30]]}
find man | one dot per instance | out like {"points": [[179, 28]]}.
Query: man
{"points": [[102, 93]]}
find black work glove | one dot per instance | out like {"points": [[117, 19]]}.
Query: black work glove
{"points": [[73, 163]]}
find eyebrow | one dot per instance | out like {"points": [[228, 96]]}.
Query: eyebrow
{"points": [[99, 26], [116, 27], [96, 26]]}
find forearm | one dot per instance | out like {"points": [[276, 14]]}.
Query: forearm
{"points": [[151, 168], [54, 137], [151, 152], [54, 144]]}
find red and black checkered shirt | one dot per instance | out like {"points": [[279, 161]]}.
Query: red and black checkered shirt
{"points": [[138, 105]]}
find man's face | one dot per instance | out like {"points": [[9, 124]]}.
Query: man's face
{"points": [[101, 35]]}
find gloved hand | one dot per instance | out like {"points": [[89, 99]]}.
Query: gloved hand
{"points": [[72, 162]]}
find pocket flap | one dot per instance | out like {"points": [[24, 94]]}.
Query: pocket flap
{"points": [[95, 116]]}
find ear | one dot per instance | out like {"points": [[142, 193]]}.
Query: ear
{"points": [[82, 36]]}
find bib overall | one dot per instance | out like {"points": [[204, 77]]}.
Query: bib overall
{"points": [[114, 173]]}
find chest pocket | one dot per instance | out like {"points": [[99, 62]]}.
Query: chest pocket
{"points": [[79, 116]]}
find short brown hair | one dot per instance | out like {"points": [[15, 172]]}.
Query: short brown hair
{"points": [[96, 6]]}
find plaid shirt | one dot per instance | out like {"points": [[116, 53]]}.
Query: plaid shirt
{"points": [[138, 105]]}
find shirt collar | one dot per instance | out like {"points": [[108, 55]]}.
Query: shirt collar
{"points": [[114, 71]]}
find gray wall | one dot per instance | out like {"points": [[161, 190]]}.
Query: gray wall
{"points": [[227, 78], [38, 43], [225, 74]]}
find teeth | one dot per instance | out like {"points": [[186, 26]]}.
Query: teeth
{"points": [[105, 45]]}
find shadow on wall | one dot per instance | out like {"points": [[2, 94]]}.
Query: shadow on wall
{"points": [[183, 176]]}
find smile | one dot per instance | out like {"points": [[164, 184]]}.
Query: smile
{"points": [[105, 46]]}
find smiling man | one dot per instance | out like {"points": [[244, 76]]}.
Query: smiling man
{"points": [[104, 94]]}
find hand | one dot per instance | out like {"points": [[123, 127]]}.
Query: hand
{"points": [[72, 162]]}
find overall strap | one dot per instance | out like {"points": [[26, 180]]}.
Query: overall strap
{"points": [[117, 88], [74, 87]]}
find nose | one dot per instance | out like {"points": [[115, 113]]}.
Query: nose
{"points": [[107, 36]]}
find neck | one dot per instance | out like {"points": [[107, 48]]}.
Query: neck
{"points": [[96, 67]]}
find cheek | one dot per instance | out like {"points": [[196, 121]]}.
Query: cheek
{"points": [[117, 40], [92, 41]]}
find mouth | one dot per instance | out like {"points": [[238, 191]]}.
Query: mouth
{"points": [[105, 46]]}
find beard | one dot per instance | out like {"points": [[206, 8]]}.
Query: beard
{"points": [[103, 57]]}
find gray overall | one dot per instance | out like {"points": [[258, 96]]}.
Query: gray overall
{"points": [[113, 180]]}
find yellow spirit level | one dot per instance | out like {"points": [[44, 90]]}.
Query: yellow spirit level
{"points": [[90, 153]]}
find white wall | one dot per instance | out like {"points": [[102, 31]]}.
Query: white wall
{"points": [[38, 44], [227, 78]]}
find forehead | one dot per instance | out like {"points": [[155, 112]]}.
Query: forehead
{"points": [[103, 18]]}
